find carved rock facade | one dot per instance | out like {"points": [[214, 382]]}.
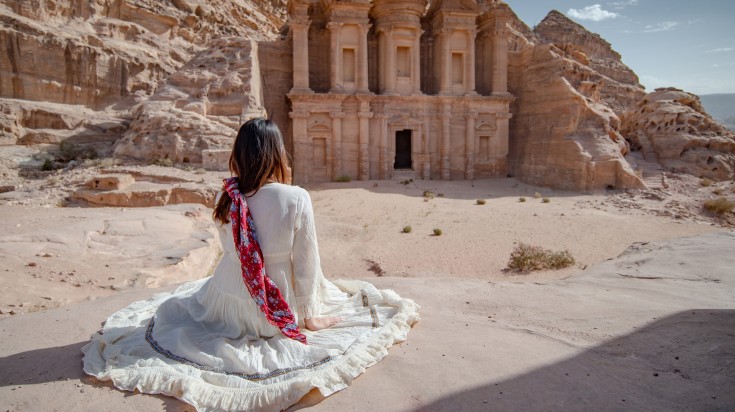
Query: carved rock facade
{"points": [[389, 88]]}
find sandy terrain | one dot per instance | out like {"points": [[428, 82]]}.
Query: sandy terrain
{"points": [[651, 329]]}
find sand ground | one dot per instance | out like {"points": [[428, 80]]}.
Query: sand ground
{"points": [[649, 330]]}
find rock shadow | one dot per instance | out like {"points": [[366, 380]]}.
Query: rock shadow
{"points": [[685, 362]]}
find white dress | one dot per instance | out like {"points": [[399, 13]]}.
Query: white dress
{"points": [[208, 344]]}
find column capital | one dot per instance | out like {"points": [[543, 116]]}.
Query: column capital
{"points": [[333, 25], [504, 116], [299, 115], [470, 115], [365, 115], [336, 115], [298, 22]]}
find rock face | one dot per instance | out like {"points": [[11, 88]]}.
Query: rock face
{"points": [[565, 126], [670, 126], [105, 56], [199, 107]]}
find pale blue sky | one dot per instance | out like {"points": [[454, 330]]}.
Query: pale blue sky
{"points": [[681, 43]]}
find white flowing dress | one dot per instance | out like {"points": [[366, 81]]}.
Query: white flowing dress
{"points": [[208, 343]]}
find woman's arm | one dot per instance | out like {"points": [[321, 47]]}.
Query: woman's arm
{"points": [[306, 263]]}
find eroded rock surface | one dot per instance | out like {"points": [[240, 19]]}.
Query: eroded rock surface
{"points": [[670, 126], [105, 57], [199, 107], [565, 127]]}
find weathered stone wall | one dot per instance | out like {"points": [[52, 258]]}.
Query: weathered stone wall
{"points": [[200, 107], [276, 71], [560, 137]]}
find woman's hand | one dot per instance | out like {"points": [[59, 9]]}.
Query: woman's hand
{"points": [[319, 323]]}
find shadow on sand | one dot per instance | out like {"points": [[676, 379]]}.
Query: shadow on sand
{"points": [[685, 362]]}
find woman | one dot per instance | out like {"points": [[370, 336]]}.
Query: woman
{"points": [[267, 327]]}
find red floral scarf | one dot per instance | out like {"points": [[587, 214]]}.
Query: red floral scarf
{"points": [[261, 287]]}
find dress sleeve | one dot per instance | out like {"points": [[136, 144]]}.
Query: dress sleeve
{"points": [[306, 266]]}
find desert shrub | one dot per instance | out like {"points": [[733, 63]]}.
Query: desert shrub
{"points": [[705, 182], [720, 205], [343, 179], [480, 201], [526, 258], [537, 195], [406, 229], [69, 151], [428, 194], [718, 191], [521, 199], [546, 200], [47, 165], [437, 232], [440, 195], [163, 162]]}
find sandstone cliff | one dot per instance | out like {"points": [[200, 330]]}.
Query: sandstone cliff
{"points": [[105, 56], [670, 126], [570, 86]]}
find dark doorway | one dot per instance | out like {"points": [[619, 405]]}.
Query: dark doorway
{"points": [[403, 150]]}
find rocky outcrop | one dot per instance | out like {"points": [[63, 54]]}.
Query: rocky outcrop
{"points": [[199, 107], [563, 135], [565, 124], [108, 56], [670, 126]]}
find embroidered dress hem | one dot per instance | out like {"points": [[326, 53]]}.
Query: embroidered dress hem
{"points": [[209, 389]]}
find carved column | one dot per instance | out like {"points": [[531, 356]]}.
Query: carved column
{"points": [[426, 166], [383, 150], [445, 62], [337, 144], [416, 64], [500, 58], [301, 146], [363, 140], [300, 37], [362, 61], [470, 63], [469, 144], [446, 117], [335, 57], [390, 66]]}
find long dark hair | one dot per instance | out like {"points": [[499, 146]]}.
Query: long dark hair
{"points": [[258, 156]]}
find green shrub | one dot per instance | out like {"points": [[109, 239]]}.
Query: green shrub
{"points": [[69, 151], [546, 200], [526, 258], [429, 194], [343, 179], [47, 165], [437, 232], [521, 199], [406, 229], [720, 205], [480, 201]]}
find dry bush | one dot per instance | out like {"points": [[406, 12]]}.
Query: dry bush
{"points": [[481, 201], [526, 258], [537, 195], [546, 200], [406, 229], [705, 182], [720, 205], [437, 232], [521, 199], [429, 194], [343, 179]]}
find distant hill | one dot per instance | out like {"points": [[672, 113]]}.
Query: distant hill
{"points": [[721, 107]]}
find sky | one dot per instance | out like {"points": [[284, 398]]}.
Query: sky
{"points": [[680, 43]]}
